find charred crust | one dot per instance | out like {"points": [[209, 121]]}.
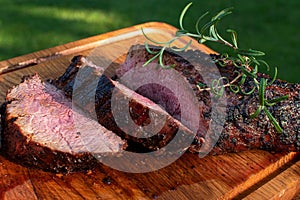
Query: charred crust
{"points": [[70, 73], [77, 60], [26, 77]]}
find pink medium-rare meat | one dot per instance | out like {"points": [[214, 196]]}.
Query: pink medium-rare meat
{"points": [[40, 129]]}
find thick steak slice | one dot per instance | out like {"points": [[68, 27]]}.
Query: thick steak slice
{"points": [[239, 132], [99, 103], [41, 130]]}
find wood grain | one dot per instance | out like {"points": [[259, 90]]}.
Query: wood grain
{"points": [[228, 176], [284, 186]]}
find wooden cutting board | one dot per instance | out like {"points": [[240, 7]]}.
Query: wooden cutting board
{"points": [[250, 175]]}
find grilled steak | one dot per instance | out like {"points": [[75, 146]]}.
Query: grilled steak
{"points": [[239, 132], [40, 129], [95, 96]]}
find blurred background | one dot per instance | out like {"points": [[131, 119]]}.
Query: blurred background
{"points": [[270, 26]]}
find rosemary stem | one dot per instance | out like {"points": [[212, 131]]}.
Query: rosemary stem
{"points": [[224, 42], [226, 85]]}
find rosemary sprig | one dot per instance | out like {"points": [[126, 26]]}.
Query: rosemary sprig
{"points": [[263, 102], [160, 53], [244, 60]]}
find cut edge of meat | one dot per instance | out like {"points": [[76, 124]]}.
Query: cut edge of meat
{"points": [[32, 143]]}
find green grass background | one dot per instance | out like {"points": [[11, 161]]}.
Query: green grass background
{"points": [[270, 26]]}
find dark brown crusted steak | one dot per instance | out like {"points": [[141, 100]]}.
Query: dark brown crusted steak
{"points": [[41, 130], [142, 110], [239, 131]]}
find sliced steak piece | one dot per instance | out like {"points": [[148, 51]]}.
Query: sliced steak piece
{"points": [[239, 132], [108, 101], [41, 130]]}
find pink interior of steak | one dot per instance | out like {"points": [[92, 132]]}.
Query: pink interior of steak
{"points": [[139, 98], [45, 116], [163, 96]]}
